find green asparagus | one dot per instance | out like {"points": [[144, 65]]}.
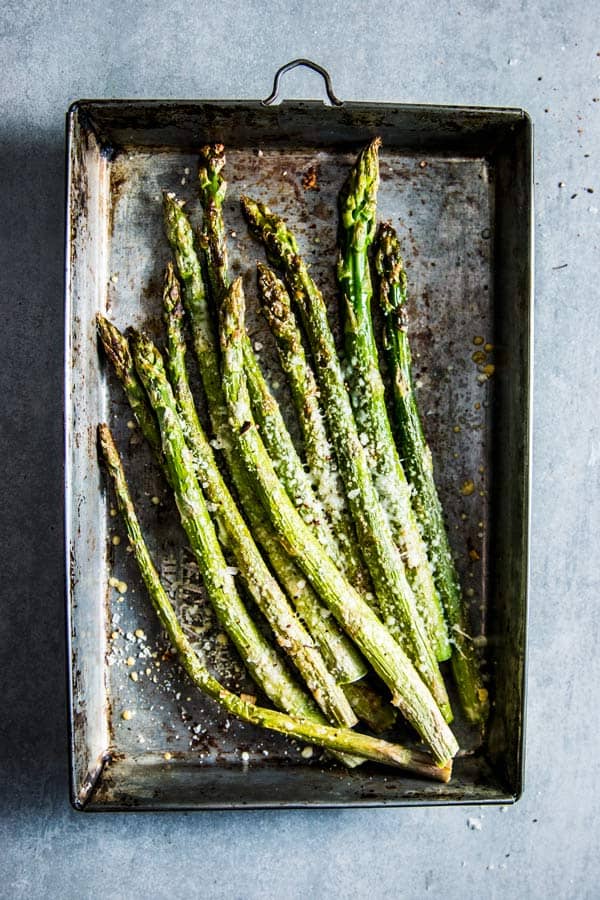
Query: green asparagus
{"points": [[390, 662], [357, 229], [260, 583], [332, 643], [419, 466], [336, 739], [381, 554], [116, 348]]}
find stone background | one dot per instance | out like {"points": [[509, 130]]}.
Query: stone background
{"points": [[543, 56]]}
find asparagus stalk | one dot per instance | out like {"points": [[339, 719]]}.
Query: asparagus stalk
{"points": [[409, 692], [260, 583], [261, 659], [274, 431], [305, 394], [396, 599], [419, 466], [357, 229], [332, 643], [213, 189], [181, 240], [340, 740]]}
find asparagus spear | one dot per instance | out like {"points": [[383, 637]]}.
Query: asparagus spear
{"points": [[213, 189], [419, 466], [337, 739], [305, 394], [396, 600], [274, 431], [357, 229], [332, 643], [262, 586], [390, 662], [262, 661]]}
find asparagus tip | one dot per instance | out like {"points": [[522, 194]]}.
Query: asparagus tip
{"points": [[115, 345], [212, 184], [171, 292]]}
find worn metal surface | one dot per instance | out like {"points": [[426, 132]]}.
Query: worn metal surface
{"points": [[457, 183]]}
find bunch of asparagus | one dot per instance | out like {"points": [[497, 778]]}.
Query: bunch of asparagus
{"points": [[342, 548]]}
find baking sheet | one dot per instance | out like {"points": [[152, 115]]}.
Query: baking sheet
{"points": [[462, 211]]}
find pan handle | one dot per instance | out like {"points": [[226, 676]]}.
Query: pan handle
{"points": [[335, 101]]}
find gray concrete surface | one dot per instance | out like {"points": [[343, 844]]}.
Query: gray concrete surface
{"points": [[544, 56]]}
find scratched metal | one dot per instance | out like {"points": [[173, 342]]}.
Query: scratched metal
{"points": [[458, 192]]}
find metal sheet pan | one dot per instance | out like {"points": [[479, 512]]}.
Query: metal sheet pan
{"points": [[457, 182]]}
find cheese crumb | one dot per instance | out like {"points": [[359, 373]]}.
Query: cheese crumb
{"points": [[168, 756], [307, 752], [127, 715], [130, 661], [116, 540]]}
